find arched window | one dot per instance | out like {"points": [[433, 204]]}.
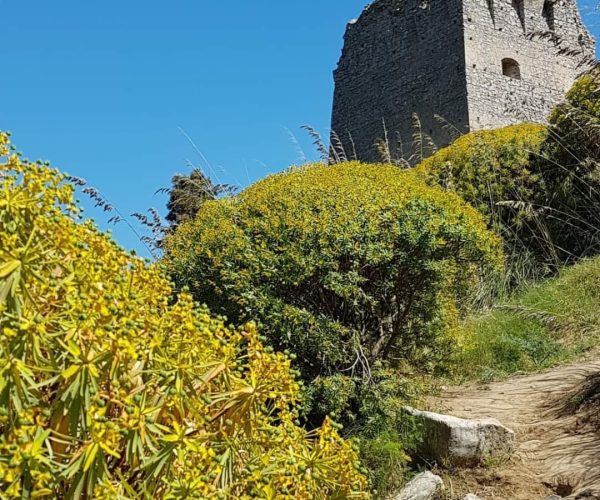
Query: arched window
{"points": [[511, 68]]}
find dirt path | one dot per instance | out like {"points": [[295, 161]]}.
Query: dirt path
{"points": [[558, 452]]}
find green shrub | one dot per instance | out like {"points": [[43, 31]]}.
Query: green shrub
{"points": [[492, 171], [489, 167], [386, 453], [570, 168], [112, 388], [353, 268]]}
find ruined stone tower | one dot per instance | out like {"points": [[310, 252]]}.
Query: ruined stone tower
{"points": [[472, 63]]}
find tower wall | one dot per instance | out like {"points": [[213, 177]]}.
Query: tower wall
{"points": [[497, 30], [400, 57], [445, 58]]}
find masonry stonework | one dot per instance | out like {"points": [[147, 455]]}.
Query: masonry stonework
{"points": [[458, 65]]}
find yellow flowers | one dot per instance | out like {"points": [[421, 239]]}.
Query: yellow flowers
{"points": [[489, 166], [111, 389]]}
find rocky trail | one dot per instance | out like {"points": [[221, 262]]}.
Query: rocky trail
{"points": [[558, 449]]}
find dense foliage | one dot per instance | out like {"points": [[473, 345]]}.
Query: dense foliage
{"points": [[570, 168], [489, 167], [539, 186], [492, 170], [111, 388], [356, 269]]}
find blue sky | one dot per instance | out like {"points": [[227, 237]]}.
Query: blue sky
{"points": [[103, 89]]}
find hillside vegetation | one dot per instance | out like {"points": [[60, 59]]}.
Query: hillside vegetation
{"points": [[547, 323], [490, 167], [538, 186], [493, 171], [570, 166], [379, 280]]}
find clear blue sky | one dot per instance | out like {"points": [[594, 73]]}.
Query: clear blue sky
{"points": [[102, 88]]}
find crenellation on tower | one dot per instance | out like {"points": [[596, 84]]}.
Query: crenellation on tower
{"points": [[475, 63]]}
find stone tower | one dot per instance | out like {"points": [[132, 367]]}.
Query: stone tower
{"points": [[459, 65]]}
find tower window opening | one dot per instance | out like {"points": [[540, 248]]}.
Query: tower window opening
{"points": [[548, 14], [519, 6], [511, 68]]}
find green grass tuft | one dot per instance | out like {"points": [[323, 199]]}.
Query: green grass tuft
{"points": [[541, 326]]}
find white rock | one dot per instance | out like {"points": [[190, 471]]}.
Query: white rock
{"points": [[425, 486], [453, 441], [470, 496]]}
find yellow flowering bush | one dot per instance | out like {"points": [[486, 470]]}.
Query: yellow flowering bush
{"points": [[493, 171], [489, 167], [111, 388], [334, 260]]}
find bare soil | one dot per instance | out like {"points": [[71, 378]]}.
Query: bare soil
{"points": [[558, 440]]}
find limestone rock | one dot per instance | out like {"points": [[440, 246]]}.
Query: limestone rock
{"points": [[470, 496], [425, 486], [463, 443]]}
